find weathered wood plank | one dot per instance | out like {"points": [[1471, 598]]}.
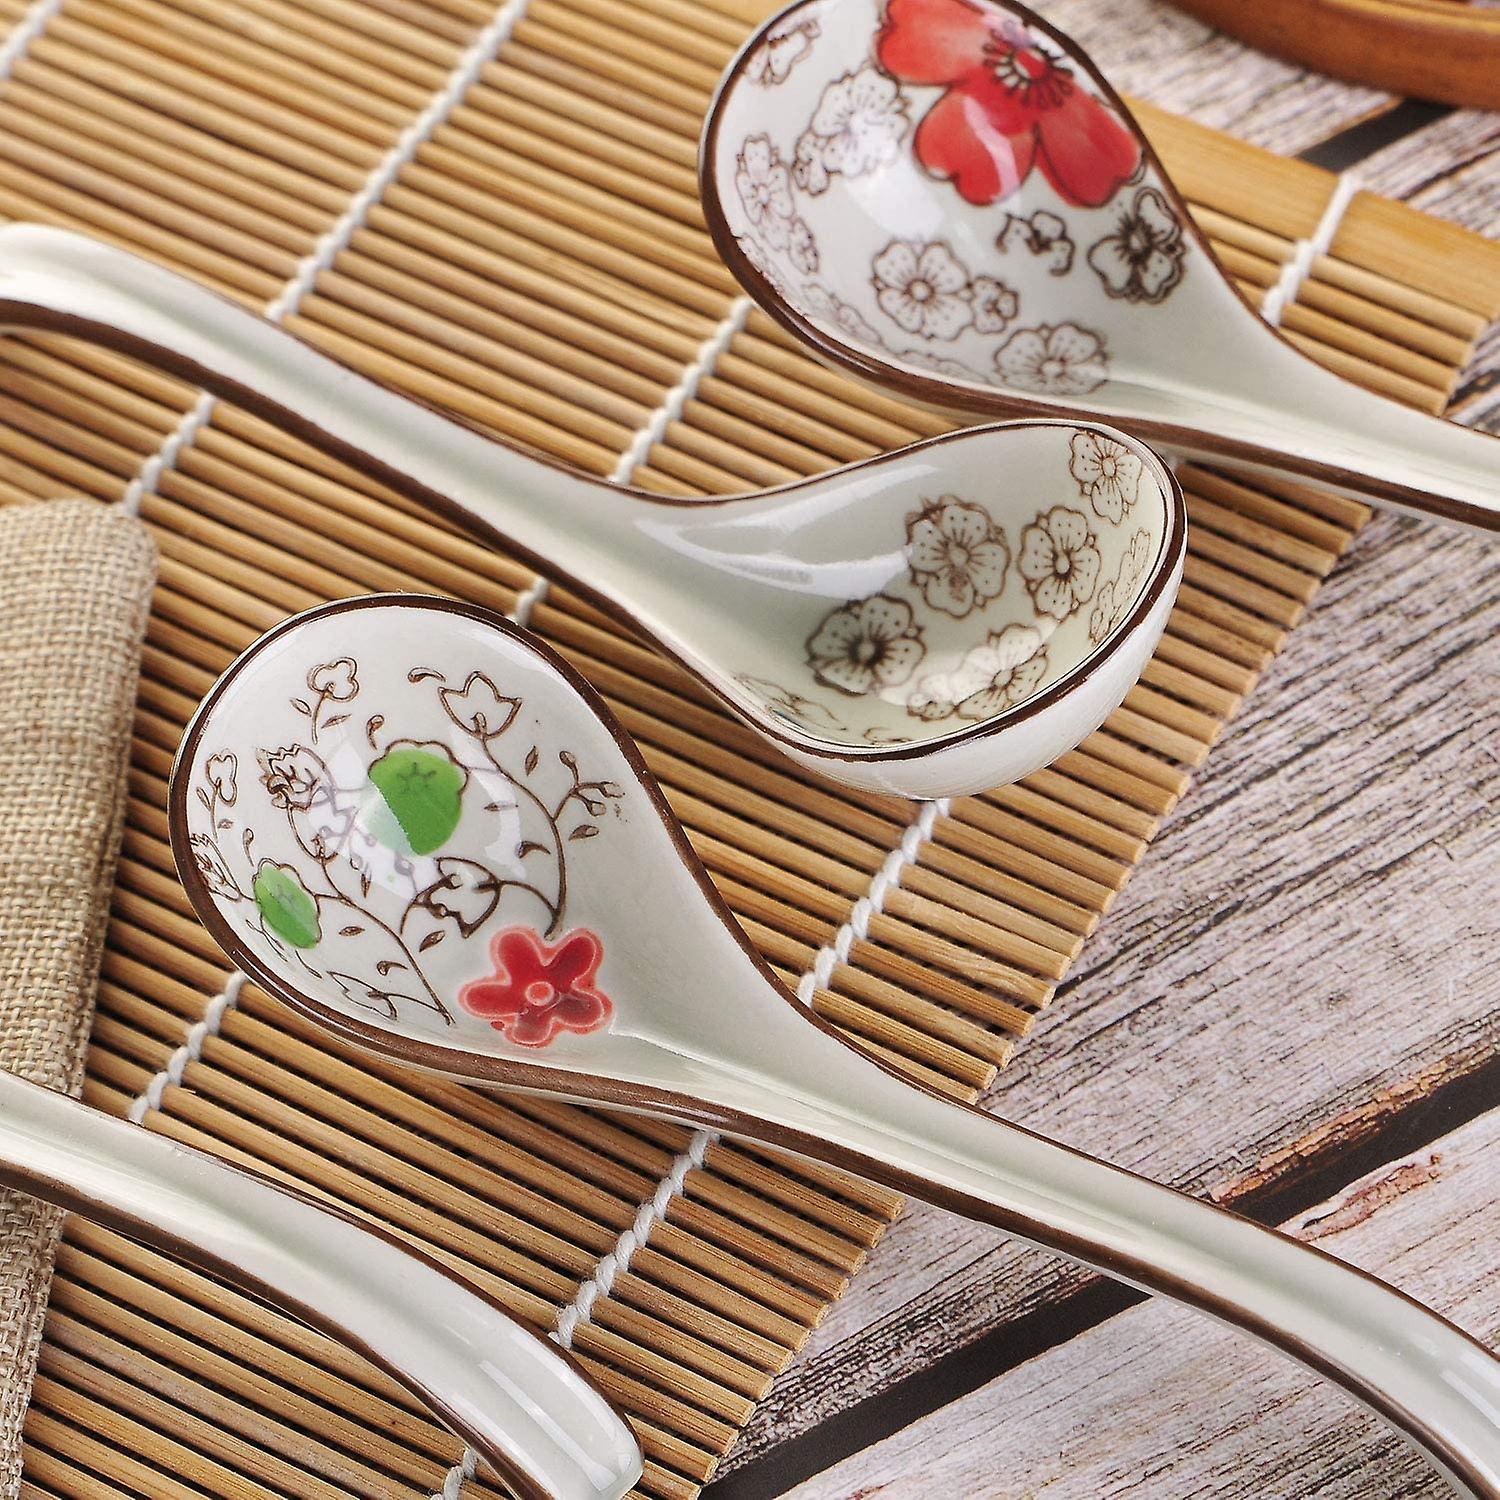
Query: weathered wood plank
{"points": [[1158, 1402], [1301, 954]]}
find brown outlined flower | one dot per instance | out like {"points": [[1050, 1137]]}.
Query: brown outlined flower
{"points": [[958, 556], [338, 680], [1107, 471], [1142, 260], [923, 288], [1057, 360], [866, 644], [222, 771], [995, 304], [765, 188], [992, 677], [1059, 560], [857, 128], [292, 775], [1043, 235]]}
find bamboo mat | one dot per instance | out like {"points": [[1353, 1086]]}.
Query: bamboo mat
{"points": [[497, 211]]}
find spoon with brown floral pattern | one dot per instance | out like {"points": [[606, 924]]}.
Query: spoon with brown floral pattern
{"points": [[934, 621], [413, 823], [945, 197]]}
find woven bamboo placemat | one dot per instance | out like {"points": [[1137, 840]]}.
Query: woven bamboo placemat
{"points": [[496, 210]]}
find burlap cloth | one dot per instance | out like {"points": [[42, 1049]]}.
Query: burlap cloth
{"points": [[75, 587]]}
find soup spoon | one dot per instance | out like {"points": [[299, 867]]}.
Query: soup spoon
{"points": [[946, 198], [514, 1397], [413, 823], [939, 620]]}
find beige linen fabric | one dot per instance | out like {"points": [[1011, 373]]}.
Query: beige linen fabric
{"points": [[75, 588]]}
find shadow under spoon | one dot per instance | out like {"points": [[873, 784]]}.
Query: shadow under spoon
{"points": [[809, 609], [519, 1401], [946, 198], [452, 854]]}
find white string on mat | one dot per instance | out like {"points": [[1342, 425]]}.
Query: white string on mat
{"points": [[190, 1051], [336, 240], [24, 33], [1295, 272], [675, 402]]}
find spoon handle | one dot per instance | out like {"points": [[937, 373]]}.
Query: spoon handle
{"points": [[509, 1393], [1432, 1382], [57, 280]]}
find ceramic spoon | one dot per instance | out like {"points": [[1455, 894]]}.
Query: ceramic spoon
{"points": [[936, 621], [945, 197], [518, 1400], [415, 824]]}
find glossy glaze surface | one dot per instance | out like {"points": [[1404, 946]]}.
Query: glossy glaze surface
{"points": [[517, 1399], [474, 873], [946, 197], [898, 624]]}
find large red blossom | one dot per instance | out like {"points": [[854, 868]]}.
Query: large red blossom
{"points": [[1011, 105], [538, 990]]}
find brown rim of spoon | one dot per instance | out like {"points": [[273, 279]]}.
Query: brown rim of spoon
{"points": [[995, 404]]}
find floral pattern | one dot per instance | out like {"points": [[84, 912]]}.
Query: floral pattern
{"points": [[1108, 473], [1044, 235], [1114, 599], [1142, 260], [764, 184], [1053, 360], [784, 47], [823, 304], [923, 289], [995, 304], [997, 675], [365, 880], [1011, 104], [857, 128], [538, 990], [958, 556], [1059, 561], [865, 645], [795, 707]]}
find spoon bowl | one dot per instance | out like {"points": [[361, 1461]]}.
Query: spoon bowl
{"points": [[412, 822], [946, 198], [932, 622]]}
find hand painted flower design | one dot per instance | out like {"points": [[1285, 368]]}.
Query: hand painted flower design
{"points": [[857, 128], [867, 644], [1060, 360], [994, 303], [1107, 612], [211, 866], [1059, 561], [1043, 235], [335, 679], [755, 253], [922, 288], [1143, 259], [819, 302], [793, 706], [479, 707], [1108, 473], [958, 556], [994, 676], [939, 364], [802, 247], [765, 188], [293, 775], [539, 990], [221, 771], [1011, 104], [782, 50]]}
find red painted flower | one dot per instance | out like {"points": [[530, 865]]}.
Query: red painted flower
{"points": [[538, 990], [1011, 105]]}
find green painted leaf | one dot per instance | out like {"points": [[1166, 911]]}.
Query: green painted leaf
{"points": [[283, 900], [423, 789]]}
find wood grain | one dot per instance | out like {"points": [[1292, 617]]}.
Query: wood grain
{"points": [[1104, 1414]]}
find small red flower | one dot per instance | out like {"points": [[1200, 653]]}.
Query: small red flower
{"points": [[1011, 105], [538, 990]]}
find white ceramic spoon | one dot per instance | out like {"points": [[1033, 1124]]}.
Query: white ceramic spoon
{"points": [[516, 1398], [945, 197], [935, 621], [415, 824]]}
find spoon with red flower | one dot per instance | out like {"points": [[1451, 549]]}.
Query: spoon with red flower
{"points": [[946, 198], [938, 620], [462, 863]]}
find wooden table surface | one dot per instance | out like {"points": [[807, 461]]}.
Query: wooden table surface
{"points": [[1294, 1007]]}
